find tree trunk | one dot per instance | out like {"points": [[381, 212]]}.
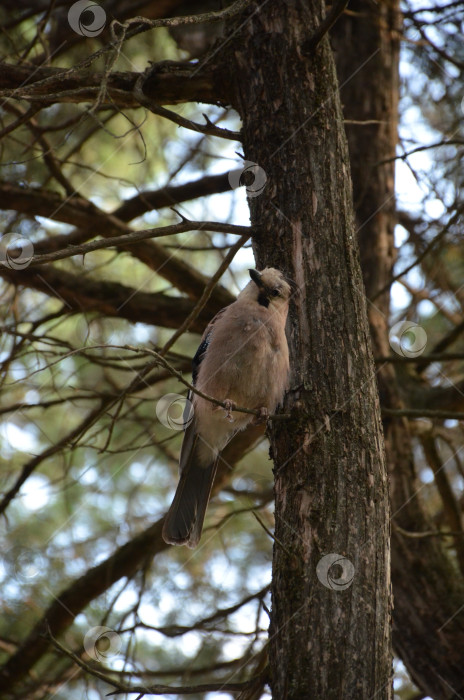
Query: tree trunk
{"points": [[330, 627], [427, 593]]}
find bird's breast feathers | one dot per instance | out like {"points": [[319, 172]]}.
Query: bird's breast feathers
{"points": [[247, 358]]}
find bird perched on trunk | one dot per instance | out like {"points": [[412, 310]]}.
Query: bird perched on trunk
{"points": [[242, 360]]}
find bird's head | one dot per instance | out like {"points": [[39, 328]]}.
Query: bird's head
{"points": [[269, 287]]}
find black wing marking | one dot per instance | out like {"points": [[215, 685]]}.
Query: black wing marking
{"points": [[196, 362], [199, 355], [203, 347]]}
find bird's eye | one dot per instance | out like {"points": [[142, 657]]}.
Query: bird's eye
{"points": [[275, 292]]}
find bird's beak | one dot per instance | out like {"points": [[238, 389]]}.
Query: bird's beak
{"points": [[256, 277]]}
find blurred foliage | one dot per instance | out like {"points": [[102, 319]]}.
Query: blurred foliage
{"points": [[117, 477]]}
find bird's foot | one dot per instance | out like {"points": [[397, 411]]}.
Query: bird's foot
{"points": [[229, 407], [262, 417]]}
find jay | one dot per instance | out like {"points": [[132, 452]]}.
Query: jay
{"points": [[242, 360]]}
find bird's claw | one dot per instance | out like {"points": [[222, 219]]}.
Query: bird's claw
{"points": [[229, 407], [262, 417]]}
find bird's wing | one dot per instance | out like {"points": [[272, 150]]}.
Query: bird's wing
{"points": [[204, 344], [184, 520], [196, 362]]}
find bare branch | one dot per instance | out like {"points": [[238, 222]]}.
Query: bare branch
{"points": [[47, 85], [450, 505], [240, 409], [452, 221], [136, 236], [143, 690], [142, 24], [111, 299], [423, 359], [52, 450], [427, 533], [209, 129], [327, 23], [422, 413], [171, 195], [123, 562], [419, 149], [203, 300]]}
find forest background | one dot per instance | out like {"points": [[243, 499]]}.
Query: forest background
{"points": [[110, 127]]}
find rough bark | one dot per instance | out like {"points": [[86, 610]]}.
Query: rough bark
{"points": [[427, 633], [330, 479]]}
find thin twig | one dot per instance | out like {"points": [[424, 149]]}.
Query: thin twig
{"points": [[433, 357], [419, 149], [208, 128], [454, 219], [211, 16], [427, 533], [327, 23], [272, 536], [135, 236], [422, 413], [146, 690], [54, 449], [208, 290], [240, 409]]}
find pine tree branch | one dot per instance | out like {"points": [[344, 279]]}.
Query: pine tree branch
{"points": [[142, 690], [124, 562], [327, 23], [136, 236], [92, 220], [79, 293], [46, 85]]}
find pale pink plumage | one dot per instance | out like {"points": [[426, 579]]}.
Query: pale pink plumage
{"points": [[243, 357]]}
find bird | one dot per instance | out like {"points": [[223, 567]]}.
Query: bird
{"points": [[242, 360]]}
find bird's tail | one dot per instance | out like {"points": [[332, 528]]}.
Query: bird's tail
{"points": [[184, 521]]}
